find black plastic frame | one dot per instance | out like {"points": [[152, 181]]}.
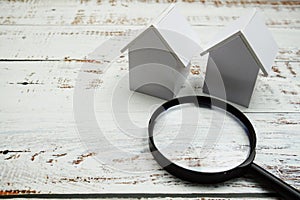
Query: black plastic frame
{"points": [[248, 166], [195, 176]]}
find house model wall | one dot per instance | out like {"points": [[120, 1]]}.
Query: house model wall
{"points": [[235, 56], [159, 57]]}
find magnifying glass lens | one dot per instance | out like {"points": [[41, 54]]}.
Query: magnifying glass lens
{"points": [[200, 138]]}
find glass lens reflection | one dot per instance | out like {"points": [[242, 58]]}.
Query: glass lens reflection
{"points": [[201, 139]]}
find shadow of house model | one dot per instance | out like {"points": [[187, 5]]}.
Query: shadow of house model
{"points": [[235, 56], [159, 57]]}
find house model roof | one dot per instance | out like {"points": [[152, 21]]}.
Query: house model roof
{"points": [[256, 36], [175, 33]]}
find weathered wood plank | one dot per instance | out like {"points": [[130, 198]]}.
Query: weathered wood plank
{"points": [[49, 85], [284, 14], [59, 43], [41, 149], [46, 155]]}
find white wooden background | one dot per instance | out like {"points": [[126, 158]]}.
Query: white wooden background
{"points": [[43, 45]]}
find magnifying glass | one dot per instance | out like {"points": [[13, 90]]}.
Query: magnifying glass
{"points": [[205, 140]]}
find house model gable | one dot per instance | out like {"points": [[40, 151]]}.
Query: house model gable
{"points": [[260, 41], [255, 35], [159, 57], [175, 33], [236, 55], [178, 34], [228, 33]]}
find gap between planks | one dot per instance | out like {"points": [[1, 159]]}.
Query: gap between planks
{"points": [[143, 195]]}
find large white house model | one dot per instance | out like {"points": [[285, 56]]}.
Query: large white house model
{"points": [[159, 57], [235, 56]]}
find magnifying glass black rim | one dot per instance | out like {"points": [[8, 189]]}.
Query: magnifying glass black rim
{"points": [[192, 175]]}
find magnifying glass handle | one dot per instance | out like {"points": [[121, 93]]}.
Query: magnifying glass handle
{"points": [[282, 188]]}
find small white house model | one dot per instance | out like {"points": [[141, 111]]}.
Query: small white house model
{"points": [[235, 56], [159, 57]]}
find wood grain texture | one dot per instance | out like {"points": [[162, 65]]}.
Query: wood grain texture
{"points": [[46, 46], [45, 133], [56, 153], [76, 42], [204, 13], [28, 86]]}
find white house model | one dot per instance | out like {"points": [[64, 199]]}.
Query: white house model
{"points": [[235, 56], [159, 57]]}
